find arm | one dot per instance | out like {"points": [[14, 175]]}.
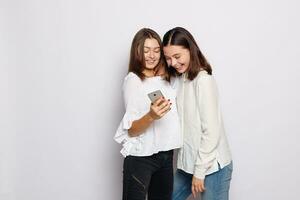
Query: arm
{"points": [[207, 97], [208, 108], [157, 110], [138, 126]]}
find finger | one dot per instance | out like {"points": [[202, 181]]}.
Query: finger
{"points": [[193, 192], [158, 101], [163, 100], [203, 187], [166, 101], [164, 105], [164, 111], [198, 189]]}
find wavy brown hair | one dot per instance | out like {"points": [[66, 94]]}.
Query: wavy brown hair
{"points": [[137, 59], [181, 37]]}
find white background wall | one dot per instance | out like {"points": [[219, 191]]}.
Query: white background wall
{"points": [[62, 66]]}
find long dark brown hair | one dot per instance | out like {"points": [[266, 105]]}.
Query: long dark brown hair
{"points": [[137, 59], [181, 37]]}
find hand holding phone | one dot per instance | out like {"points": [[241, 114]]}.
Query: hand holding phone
{"points": [[159, 106]]}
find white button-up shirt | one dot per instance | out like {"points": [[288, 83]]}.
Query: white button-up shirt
{"points": [[205, 144], [163, 134]]}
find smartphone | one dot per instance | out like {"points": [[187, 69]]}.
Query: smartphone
{"points": [[155, 95]]}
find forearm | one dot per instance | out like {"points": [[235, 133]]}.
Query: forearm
{"points": [[140, 125]]}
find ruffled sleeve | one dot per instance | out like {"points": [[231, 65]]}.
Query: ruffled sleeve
{"points": [[131, 94]]}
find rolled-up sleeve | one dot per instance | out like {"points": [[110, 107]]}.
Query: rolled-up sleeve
{"points": [[208, 108], [131, 95]]}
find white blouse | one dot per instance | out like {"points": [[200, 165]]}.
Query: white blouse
{"points": [[205, 144], [163, 134]]}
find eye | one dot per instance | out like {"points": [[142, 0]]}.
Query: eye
{"points": [[157, 51], [146, 51], [177, 56]]}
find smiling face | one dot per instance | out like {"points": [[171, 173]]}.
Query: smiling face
{"points": [[151, 53], [177, 57]]}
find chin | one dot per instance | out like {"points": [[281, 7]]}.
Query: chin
{"points": [[150, 67], [181, 71]]}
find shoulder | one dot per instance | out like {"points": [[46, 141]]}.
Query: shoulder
{"points": [[203, 78], [174, 82], [132, 78]]}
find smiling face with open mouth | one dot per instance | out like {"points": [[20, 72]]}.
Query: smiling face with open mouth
{"points": [[177, 57], [151, 53]]}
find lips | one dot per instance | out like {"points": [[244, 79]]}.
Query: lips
{"points": [[150, 61], [179, 67]]}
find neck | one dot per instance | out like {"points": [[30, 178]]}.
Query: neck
{"points": [[161, 72], [149, 72]]}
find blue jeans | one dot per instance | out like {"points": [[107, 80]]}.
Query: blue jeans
{"points": [[216, 185]]}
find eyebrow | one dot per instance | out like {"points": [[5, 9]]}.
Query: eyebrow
{"points": [[153, 48], [176, 54]]}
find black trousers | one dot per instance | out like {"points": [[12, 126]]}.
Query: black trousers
{"points": [[148, 175]]}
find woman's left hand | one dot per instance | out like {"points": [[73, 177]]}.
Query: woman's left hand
{"points": [[197, 186]]}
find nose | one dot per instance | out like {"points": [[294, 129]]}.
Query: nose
{"points": [[173, 62], [151, 55]]}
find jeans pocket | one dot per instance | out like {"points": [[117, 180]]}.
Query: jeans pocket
{"points": [[228, 171], [230, 166]]}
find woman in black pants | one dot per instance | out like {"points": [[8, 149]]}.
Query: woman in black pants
{"points": [[149, 131]]}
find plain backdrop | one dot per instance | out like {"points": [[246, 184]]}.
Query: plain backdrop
{"points": [[62, 66]]}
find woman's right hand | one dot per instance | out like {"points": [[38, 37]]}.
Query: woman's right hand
{"points": [[159, 108]]}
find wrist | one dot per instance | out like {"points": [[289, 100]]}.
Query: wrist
{"points": [[150, 117]]}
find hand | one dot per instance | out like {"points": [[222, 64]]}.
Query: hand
{"points": [[159, 108], [197, 186]]}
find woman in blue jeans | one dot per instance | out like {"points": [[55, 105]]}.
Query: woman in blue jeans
{"points": [[204, 162], [148, 131]]}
